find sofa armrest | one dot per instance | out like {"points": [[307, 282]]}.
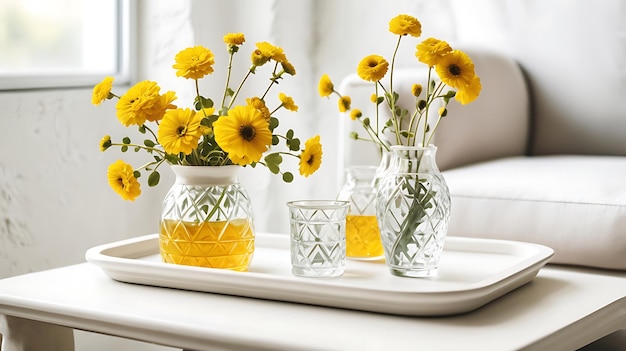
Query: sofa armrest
{"points": [[495, 125]]}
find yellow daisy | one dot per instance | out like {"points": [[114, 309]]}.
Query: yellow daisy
{"points": [[373, 68], [234, 39], [270, 51], [311, 156], [105, 143], [180, 131], [325, 86], [344, 103], [456, 69], [405, 24], [287, 102], [355, 114], [431, 50], [160, 106], [244, 134], [102, 91], [259, 104], [134, 107], [416, 90], [470, 92], [122, 179], [194, 63]]}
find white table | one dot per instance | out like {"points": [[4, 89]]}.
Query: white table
{"points": [[562, 309]]}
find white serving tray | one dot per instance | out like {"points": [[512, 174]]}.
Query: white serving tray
{"points": [[472, 272]]}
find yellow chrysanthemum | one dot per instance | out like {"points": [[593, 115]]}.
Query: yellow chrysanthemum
{"points": [[355, 114], [161, 106], [244, 134], [325, 86], [122, 179], [416, 90], [102, 91], [136, 106], [311, 156], [180, 131], [470, 92], [259, 104], [344, 103], [287, 102], [456, 69], [405, 24], [374, 98], [270, 51], [234, 39], [105, 143], [194, 63], [373, 68], [288, 68], [431, 50]]}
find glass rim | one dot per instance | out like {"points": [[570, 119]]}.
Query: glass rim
{"points": [[317, 204]]}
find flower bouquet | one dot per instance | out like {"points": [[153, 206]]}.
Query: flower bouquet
{"points": [[207, 137], [413, 201]]}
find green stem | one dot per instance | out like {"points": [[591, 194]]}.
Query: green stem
{"points": [[228, 74]]}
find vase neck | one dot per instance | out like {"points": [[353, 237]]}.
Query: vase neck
{"points": [[414, 159], [206, 175]]}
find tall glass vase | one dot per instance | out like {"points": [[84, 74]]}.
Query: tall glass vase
{"points": [[207, 219], [413, 210]]}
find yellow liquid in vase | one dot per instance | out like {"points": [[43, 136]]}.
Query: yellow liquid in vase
{"points": [[218, 244], [363, 237]]}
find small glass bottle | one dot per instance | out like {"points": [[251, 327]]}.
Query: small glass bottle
{"points": [[362, 234]]}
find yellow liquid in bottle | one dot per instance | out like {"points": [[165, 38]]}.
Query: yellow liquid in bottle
{"points": [[363, 237], [218, 244]]}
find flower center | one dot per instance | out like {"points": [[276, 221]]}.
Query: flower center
{"points": [[181, 130], [247, 132], [455, 70], [310, 160]]}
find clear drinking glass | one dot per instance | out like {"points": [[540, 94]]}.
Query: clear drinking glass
{"points": [[318, 237]]}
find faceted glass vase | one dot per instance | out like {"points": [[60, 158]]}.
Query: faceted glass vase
{"points": [[362, 233], [207, 219], [413, 210]]}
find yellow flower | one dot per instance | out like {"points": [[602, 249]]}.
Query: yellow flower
{"points": [[456, 69], [311, 156], [372, 68], [234, 39], [431, 50], [470, 92], [374, 98], [416, 90], [405, 24], [344, 103], [270, 51], [180, 131], [287, 102], [134, 107], [194, 63], [259, 104], [105, 143], [355, 114], [325, 86], [122, 179], [102, 91], [160, 106], [288, 68], [244, 134]]}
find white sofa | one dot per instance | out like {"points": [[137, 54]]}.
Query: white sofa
{"points": [[528, 162]]}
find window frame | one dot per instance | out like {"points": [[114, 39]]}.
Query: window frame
{"points": [[126, 9]]}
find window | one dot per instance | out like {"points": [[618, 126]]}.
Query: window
{"points": [[63, 43]]}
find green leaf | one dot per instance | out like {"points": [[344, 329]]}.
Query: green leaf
{"points": [[124, 148], [289, 134], [275, 158], [149, 143], [273, 123], [153, 178], [275, 140], [126, 140], [201, 102], [287, 177], [294, 144], [136, 174], [142, 129]]}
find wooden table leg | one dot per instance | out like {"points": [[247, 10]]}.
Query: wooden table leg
{"points": [[19, 334]]}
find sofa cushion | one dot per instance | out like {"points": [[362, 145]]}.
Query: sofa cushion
{"points": [[573, 204]]}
